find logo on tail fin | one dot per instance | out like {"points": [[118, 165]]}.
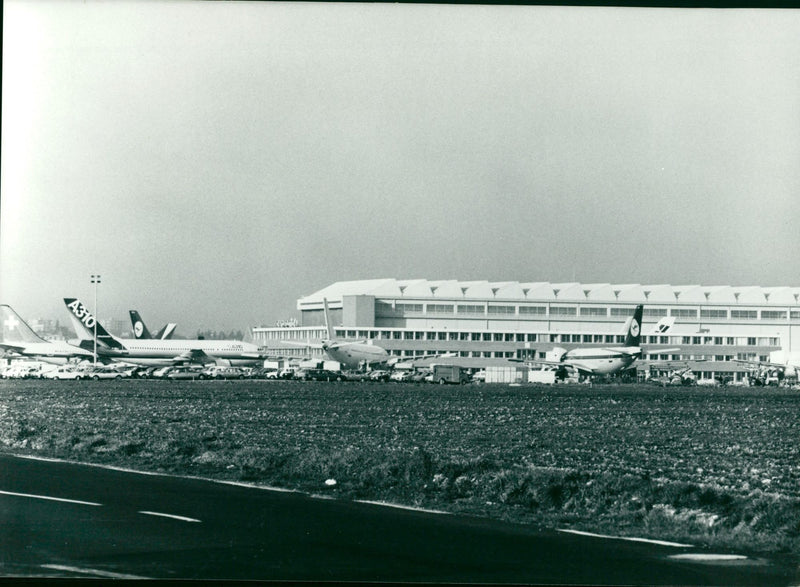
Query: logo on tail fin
{"points": [[86, 324], [633, 337]]}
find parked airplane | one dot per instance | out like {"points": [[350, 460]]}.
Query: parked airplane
{"points": [[603, 360], [159, 352], [140, 331], [19, 338], [353, 354]]}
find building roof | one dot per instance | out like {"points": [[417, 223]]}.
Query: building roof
{"points": [[513, 291]]}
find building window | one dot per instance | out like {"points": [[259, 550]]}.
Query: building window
{"points": [[717, 340], [533, 310], [497, 337], [463, 336], [563, 311], [441, 336], [683, 313], [773, 314], [744, 315], [794, 314], [476, 336], [440, 308], [714, 314], [587, 338], [406, 308], [470, 309], [506, 310], [751, 340], [531, 337], [593, 311], [384, 309], [730, 340], [621, 311], [654, 312]]}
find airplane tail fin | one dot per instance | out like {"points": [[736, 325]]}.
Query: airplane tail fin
{"points": [[139, 328], [633, 336], [15, 329], [85, 324], [166, 331], [328, 325]]}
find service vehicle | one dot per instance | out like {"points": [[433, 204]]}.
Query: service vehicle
{"points": [[442, 374]]}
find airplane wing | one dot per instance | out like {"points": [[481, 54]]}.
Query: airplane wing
{"points": [[394, 360], [310, 345], [12, 347], [756, 363], [194, 356]]}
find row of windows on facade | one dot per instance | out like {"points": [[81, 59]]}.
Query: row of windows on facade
{"points": [[520, 337], [533, 354], [385, 310]]}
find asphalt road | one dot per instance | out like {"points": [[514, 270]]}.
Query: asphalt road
{"points": [[67, 520]]}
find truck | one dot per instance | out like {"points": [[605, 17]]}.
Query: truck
{"points": [[449, 374]]}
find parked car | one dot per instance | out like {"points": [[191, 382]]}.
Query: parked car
{"points": [[160, 372], [287, 373], [379, 375], [103, 373], [479, 376], [185, 373], [217, 372], [401, 376], [65, 372], [319, 375]]}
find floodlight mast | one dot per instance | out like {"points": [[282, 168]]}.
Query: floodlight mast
{"points": [[95, 279]]}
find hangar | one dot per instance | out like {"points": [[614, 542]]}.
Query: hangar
{"points": [[487, 323]]}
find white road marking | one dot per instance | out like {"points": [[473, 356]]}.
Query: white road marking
{"points": [[628, 538], [400, 506], [701, 557], [50, 498], [95, 572], [174, 517]]}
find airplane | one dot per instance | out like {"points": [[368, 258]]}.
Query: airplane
{"points": [[154, 352], [140, 331], [20, 339], [604, 360], [353, 354]]}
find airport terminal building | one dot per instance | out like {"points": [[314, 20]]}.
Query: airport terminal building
{"points": [[487, 323]]}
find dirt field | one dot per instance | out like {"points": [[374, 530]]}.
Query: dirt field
{"points": [[710, 466]]}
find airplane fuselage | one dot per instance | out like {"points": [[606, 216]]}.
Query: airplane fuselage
{"points": [[599, 361], [52, 352], [155, 352], [353, 354]]}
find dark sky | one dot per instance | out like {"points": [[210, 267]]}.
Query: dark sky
{"points": [[216, 161]]}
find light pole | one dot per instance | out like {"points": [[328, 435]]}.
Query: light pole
{"points": [[95, 281]]}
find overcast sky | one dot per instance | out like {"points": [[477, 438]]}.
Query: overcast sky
{"points": [[216, 161]]}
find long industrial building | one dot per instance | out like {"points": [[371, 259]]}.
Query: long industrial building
{"points": [[487, 323]]}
